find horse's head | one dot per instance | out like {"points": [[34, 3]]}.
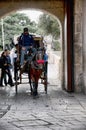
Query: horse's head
{"points": [[35, 57], [39, 59]]}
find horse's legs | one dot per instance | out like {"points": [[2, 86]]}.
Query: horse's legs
{"points": [[29, 77], [20, 75], [30, 83], [35, 86], [31, 87]]}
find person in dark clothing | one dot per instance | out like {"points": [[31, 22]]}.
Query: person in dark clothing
{"points": [[26, 42], [3, 71], [8, 66]]}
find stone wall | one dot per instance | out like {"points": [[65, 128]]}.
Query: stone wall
{"points": [[78, 61], [84, 44]]}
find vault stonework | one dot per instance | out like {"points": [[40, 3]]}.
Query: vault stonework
{"points": [[54, 7]]}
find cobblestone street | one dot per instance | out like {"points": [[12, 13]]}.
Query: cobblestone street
{"points": [[57, 110]]}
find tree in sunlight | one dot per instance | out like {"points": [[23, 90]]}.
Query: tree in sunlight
{"points": [[48, 25], [13, 25]]}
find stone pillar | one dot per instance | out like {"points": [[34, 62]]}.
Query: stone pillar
{"points": [[68, 49], [84, 44], [78, 62]]}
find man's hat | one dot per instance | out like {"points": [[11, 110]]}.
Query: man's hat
{"points": [[25, 29]]}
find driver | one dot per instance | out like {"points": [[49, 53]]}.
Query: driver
{"points": [[26, 42]]}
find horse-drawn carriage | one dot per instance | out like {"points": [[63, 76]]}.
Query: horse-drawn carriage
{"points": [[34, 65]]}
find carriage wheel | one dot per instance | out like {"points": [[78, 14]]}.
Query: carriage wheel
{"points": [[16, 84], [45, 76], [45, 83]]}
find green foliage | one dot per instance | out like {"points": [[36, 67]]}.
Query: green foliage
{"points": [[56, 45], [14, 24], [49, 25]]}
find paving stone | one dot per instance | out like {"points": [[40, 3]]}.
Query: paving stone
{"points": [[36, 128], [58, 110]]}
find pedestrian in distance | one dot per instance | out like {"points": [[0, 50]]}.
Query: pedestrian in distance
{"points": [[3, 62], [8, 67]]}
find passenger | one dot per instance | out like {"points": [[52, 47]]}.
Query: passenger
{"points": [[26, 42], [45, 57]]}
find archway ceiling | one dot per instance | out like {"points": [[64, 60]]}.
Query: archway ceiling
{"points": [[55, 7]]}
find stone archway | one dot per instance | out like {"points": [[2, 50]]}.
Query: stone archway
{"points": [[58, 9]]}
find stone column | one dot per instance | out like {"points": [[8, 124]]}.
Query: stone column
{"points": [[84, 44], [78, 62]]}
